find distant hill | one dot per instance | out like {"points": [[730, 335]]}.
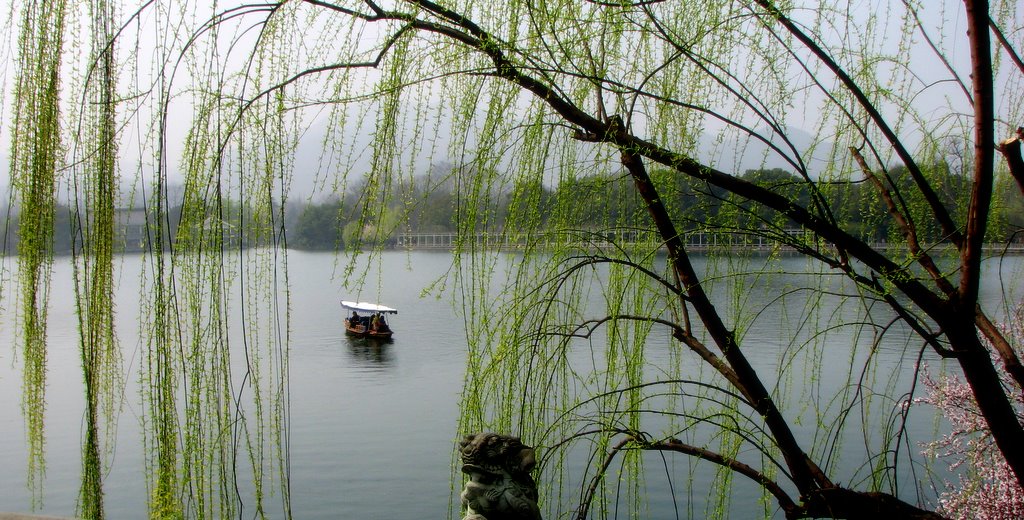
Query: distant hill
{"points": [[737, 155]]}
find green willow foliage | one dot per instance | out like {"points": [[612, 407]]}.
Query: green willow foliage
{"points": [[35, 157], [590, 339], [522, 86], [96, 184], [215, 418]]}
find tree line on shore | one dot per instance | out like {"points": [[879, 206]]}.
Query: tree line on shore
{"points": [[610, 200], [426, 205]]}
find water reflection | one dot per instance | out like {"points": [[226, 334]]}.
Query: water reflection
{"points": [[355, 402], [370, 352]]}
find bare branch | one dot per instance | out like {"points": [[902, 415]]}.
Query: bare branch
{"points": [[587, 328], [1007, 46], [588, 496], [935, 49], [377, 11], [906, 227], [637, 3], [375, 62]]}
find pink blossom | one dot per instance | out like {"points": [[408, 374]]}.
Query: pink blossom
{"points": [[987, 487]]}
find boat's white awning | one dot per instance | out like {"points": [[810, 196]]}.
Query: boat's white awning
{"points": [[367, 307]]}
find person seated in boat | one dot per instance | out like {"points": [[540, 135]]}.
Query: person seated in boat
{"points": [[381, 325], [359, 323], [375, 322]]}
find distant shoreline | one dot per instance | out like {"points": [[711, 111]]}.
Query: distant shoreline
{"points": [[707, 243], [694, 242]]}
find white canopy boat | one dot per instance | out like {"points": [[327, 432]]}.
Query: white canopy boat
{"points": [[367, 319]]}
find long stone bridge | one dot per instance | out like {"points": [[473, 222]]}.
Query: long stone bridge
{"points": [[696, 241], [514, 241]]}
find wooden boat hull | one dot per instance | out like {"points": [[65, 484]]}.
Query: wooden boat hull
{"points": [[361, 331]]}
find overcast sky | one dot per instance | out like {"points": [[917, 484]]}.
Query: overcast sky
{"points": [[313, 173]]}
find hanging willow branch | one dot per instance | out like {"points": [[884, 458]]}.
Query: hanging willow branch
{"points": [[536, 95], [36, 157], [96, 188]]}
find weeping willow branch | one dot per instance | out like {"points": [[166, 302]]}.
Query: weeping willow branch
{"points": [[806, 474], [36, 156], [585, 330], [94, 268], [579, 88], [906, 226], [746, 97], [1006, 45], [596, 130], [938, 209]]}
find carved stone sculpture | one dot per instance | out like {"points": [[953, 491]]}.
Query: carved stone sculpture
{"points": [[500, 486]]}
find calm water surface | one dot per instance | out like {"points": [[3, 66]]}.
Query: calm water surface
{"points": [[373, 425]]}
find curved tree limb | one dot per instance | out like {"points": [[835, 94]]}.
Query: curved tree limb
{"points": [[806, 474], [595, 129], [906, 227], [791, 509], [585, 329], [935, 50]]}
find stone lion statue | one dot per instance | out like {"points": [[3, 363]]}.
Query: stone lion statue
{"points": [[500, 486]]}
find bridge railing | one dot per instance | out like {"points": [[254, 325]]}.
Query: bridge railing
{"points": [[697, 241]]}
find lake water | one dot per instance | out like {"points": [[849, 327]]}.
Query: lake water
{"points": [[372, 426]]}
